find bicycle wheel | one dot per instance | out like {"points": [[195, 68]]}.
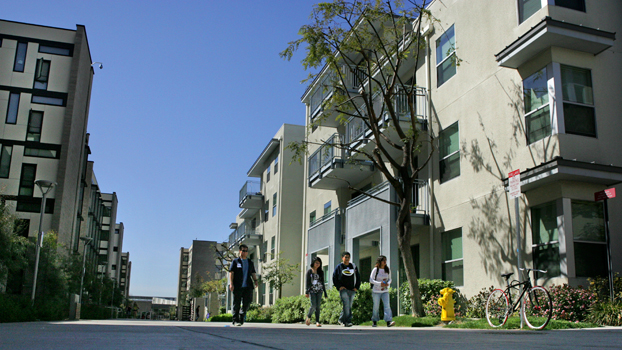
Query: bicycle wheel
{"points": [[537, 308], [497, 307]]}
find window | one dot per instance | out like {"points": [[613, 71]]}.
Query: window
{"points": [[579, 115], [39, 152], [578, 5], [526, 8], [445, 56], [453, 265], [42, 74], [115, 249], [5, 160], [449, 153], [34, 126], [44, 100], [20, 57], [274, 204], [545, 238], [114, 267], [27, 180], [272, 247], [11, 114], [312, 218], [327, 208], [268, 174], [266, 209], [276, 165], [537, 115], [55, 50], [590, 245]]}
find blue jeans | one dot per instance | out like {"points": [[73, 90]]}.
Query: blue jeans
{"points": [[316, 301], [347, 298], [388, 314]]}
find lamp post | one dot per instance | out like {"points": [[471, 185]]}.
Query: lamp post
{"points": [[45, 187], [87, 240]]}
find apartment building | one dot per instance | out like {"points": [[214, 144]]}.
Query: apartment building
{"points": [[535, 91], [270, 222], [197, 264], [45, 85], [125, 274]]}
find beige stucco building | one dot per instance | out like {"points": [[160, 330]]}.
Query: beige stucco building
{"points": [[534, 90]]}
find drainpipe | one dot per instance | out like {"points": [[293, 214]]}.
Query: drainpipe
{"points": [[427, 31]]}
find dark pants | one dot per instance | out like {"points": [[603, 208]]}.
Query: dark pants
{"points": [[244, 296], [316, 301]]}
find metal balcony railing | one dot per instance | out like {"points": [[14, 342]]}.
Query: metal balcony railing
{"points": [[324, 155], [239, 234], [250, 188], [326, 86]]}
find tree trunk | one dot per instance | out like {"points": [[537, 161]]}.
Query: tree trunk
{"points": [[404, 232]]}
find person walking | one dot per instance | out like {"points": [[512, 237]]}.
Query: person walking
{"points": [[242, 281], [347, 280], [380, 279], [315, 288]]}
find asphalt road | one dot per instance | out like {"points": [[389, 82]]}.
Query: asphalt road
{"points": [[141, 334]]}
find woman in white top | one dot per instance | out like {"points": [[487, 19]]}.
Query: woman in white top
{"points": [[380, 279]]}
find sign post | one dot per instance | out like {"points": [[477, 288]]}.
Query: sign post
{"points": [[514, 180], [604, 196]]}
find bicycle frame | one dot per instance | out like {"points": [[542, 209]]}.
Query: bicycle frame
{"points": [[516, 306]]}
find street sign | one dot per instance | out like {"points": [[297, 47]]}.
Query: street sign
{"points": [[514, 178], [606, 194]]}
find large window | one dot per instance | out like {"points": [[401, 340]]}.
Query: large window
{"points": [[545, 238], [273, 247], [11, 114], [35, 121], [590, 247], [27, 180], [449, 152], [526, 8], [579, 115], [453, 264], [445, 56], [20, 57], [5, 160], [274, 204], [42, 74], [537, 115]]}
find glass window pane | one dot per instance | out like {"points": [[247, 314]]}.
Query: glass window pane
{"points": [[54, 50], [445, 45], [5, 161], [527, 8], [327, 207], [590, 259], [445, 71], [48, 100], [579, 120], [588, 221], [577, 85], [547, 258], [20, 57], [450, 167], [454, 271], [535, 90], [452, 244], [538, 125], [544, 223], [449, 141], [11, 117]]}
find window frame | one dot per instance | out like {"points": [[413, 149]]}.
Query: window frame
{"points": [[446, 157], [276, 164], [453, 260], [328, 207], [312, 218], [36, 136], [577, 104], [5, 163], [274, 204], [537, 110], [41, 81], [551, 244], [13, 118], [24, 53], [446, 57], [600, 243], [26, 183]]}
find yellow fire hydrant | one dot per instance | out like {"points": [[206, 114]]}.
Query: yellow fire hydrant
{"points": [[447, 303]]}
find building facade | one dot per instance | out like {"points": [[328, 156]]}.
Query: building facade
{"points": [[504, 85]]}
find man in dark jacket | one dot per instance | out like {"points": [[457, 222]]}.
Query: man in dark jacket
{"points": [[242, 281], [347, 280]]}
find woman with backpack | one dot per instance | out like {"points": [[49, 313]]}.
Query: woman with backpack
{"points": [[314, 289], [380, 280]]}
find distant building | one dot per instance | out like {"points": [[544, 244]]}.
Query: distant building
{"points": [[154, 308], [125, 274]]}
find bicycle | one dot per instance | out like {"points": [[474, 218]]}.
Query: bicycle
{"points": [[535, 303]]}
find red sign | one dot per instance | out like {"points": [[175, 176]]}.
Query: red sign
{"points": [[514, 178], [606, 194]]}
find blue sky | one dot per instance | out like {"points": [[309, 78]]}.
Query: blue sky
{"points": [[190, 94]]}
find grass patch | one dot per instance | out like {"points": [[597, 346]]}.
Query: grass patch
{"points": [[409, 321], [514, 323]]}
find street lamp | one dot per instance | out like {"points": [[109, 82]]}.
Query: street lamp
{"points": [[45, 187], [87, 240]]}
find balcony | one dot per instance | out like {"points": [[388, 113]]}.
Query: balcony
{"points": [[330, 168], [244, 235], [325, 88], [550, 33], [250, 195], [420, 212], [326, 231], [358, 134]]}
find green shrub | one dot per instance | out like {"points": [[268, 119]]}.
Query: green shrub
{"points": [[571, 304], [290, 310], [600, 287], [606, 313], [222, 310], [259, 314], [331, 307], [476, 306], [221, 318], [433, 308], [427, 288], [16, 308]]}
